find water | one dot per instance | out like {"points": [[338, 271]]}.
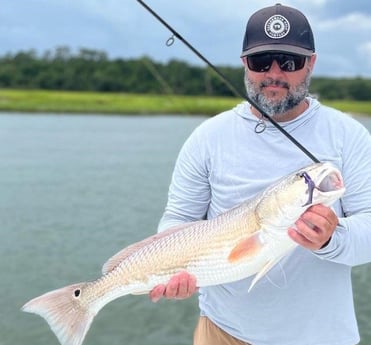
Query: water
{"points": [[75, 190]]}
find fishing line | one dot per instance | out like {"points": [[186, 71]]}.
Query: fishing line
{"points": [[277, 285], [171, 40]]}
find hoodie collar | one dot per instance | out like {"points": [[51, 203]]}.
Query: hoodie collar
{"points": [[244, 110]]}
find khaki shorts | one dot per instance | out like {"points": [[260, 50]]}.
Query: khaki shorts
{"points": [[207, 333]]}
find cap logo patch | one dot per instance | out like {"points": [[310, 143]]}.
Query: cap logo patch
{"points": [[277, 26]]}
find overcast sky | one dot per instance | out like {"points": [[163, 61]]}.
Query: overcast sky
{"points": [[123, 28]]}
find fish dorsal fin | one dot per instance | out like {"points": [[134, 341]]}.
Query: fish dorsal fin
{"points": [[115, 260], [247, 247]]}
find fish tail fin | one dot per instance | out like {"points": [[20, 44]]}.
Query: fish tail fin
{"points": [[67, 314]]}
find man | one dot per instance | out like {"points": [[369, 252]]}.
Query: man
{"points": [[307, 298]]}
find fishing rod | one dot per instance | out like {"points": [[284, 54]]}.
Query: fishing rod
{"points": [[170, 41]]}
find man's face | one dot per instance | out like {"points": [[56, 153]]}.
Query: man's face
{"points": [[276, 91]]}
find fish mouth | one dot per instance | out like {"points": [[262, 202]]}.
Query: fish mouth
{"points": [[326, 186], [329, 180]]}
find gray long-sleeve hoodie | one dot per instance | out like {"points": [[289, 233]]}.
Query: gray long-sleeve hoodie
{"points": [[307, 298]]}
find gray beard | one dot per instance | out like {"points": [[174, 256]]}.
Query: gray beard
{"points": [[277, 108]]}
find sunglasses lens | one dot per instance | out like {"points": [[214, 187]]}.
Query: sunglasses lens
{"points": [[259, 62], [291, 63], [287, 62]]}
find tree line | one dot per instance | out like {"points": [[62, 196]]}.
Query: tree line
{"points": [[92, 70]]}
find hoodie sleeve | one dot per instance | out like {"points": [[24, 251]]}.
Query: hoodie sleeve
{"points": [[189, 191], [351, 242]]}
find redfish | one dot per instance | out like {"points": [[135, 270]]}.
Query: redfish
{"points": [[244, 241]]}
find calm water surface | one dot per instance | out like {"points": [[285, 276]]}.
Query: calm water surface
{"points": [[75, 190]]}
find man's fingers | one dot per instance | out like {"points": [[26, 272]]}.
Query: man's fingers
{"points": [[299, 238], [180, 286], [157, 293], [172, 288], [183, 286], [187, 285]]}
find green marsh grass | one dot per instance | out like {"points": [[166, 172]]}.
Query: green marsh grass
{"points": [[124, 103]]}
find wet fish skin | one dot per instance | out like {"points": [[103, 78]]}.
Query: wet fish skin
{"points": [[246, 240]]}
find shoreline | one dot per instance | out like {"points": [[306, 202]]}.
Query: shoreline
{"points": [[121, 104]]}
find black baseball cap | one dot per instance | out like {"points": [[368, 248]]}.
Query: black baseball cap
{"points": [[278, 28]]}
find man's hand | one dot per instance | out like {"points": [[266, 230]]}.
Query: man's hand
{"points": [[180, 286], [315, 227]]}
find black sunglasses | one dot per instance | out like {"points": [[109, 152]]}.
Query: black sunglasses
{"points": [[287, 62]]}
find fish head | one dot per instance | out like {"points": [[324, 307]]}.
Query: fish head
{"points": [[324, 184], [285, 201]]}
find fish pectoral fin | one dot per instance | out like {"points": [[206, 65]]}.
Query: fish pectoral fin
{"points": [[264, 271], [248, 247]]}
